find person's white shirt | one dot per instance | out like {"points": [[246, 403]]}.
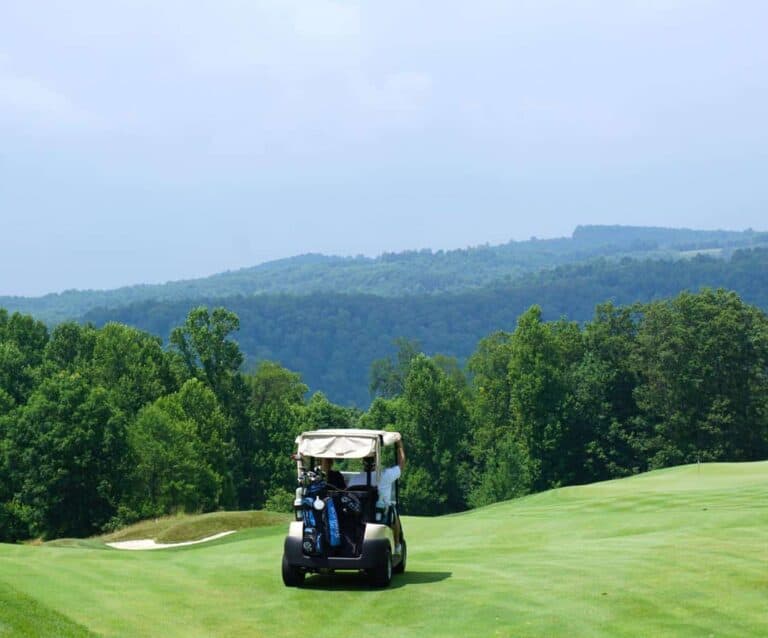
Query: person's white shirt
{"points": [[388, 477]]}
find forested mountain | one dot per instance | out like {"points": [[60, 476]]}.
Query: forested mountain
{"points": [[100, 427], [331, 339], [407, 273]]}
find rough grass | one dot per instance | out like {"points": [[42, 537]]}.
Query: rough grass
{"points": [[22, 616], [175, 529], [680, 552]]}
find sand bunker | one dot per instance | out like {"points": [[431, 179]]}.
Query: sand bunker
{"points": [[148, 543]]}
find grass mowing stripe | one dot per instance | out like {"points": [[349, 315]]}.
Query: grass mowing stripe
{"points": [[22, 616], [681, 552]]}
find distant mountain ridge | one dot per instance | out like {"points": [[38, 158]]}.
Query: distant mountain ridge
{"points": [[407, 273], [332, 338]]}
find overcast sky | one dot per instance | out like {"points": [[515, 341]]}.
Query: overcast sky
{"points": [[151, 141]]}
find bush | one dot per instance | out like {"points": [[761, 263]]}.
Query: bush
{"points": [[279, 500], [14, 522]]}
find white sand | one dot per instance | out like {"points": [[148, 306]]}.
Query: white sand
{"points": [[148, 543]]}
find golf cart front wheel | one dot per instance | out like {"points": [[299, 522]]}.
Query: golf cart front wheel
{"points": [[381, 576], [292, 576]]}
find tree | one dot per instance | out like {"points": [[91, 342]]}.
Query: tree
{"points": [[703, 360], [67, 455], [29, 335], [541, 360], [491, 391], [388, 375], [500, 457], [205, 351], [321, 413], [205, 348], [183, 450], [605, 385], [384, 414], [70, 347], [275, 411], [132, 365], [505, 474], [22, 342], [435, 427]]}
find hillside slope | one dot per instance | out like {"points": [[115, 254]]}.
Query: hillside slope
{"points": [[332, 339], [423, 272], [677, 552]]}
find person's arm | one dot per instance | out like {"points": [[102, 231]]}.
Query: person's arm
{"points": [[400, 455]]}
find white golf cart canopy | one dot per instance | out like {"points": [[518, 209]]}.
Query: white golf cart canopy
{"points": [[344, 443]]}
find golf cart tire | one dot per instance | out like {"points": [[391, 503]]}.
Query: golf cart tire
{"points": [[292, 576], [381, 575], [400, 567]]}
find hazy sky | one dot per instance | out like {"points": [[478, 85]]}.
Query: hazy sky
{"points": [[150, 141]]}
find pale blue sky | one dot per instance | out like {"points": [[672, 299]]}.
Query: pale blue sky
{"points": [[149, 141]]}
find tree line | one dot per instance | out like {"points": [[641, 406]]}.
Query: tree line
{"points": [[103, 426], [331, 339]]}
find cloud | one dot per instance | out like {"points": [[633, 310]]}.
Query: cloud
{"points": [[320, 19], [27, 98], [399, 92], [234, 37]]}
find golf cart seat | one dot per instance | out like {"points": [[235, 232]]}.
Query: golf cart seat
{"points": [[367, 495]]}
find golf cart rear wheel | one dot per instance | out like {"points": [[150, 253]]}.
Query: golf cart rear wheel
{"points": [[292, 576], [381, 576], [400, 567]]}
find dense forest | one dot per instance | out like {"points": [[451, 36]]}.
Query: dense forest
{"points": [[100, 426], [410, 273], [331, 339]]}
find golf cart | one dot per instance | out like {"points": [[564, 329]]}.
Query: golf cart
{"points": [[344, 529]]}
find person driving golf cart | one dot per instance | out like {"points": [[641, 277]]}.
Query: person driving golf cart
{"points": [[385, 484]]}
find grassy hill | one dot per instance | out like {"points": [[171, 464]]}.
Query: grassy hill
{"points": [[423, 272], [677, 552]]}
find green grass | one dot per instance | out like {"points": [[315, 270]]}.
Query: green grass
{"points": [[173, 529], [679, 552]]}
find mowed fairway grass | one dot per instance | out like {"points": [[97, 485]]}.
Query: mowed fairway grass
{"points": [[678, 552]]}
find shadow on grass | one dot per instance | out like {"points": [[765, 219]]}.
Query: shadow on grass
{"points": [[351, 581]]}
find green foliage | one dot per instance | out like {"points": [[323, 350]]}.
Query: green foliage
{"points": [[505, 473], [704, 365], [321, 413], [541, 360], [22, 340], [605, 392], [205, 348], [435, 425], [276, 413], [71, 346], [279, 500], [331, 339], [410, 273], [102, 426], [384, 414], [67, 454], [205, 351], [183, 448], [132, 365], [388, 375]]}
